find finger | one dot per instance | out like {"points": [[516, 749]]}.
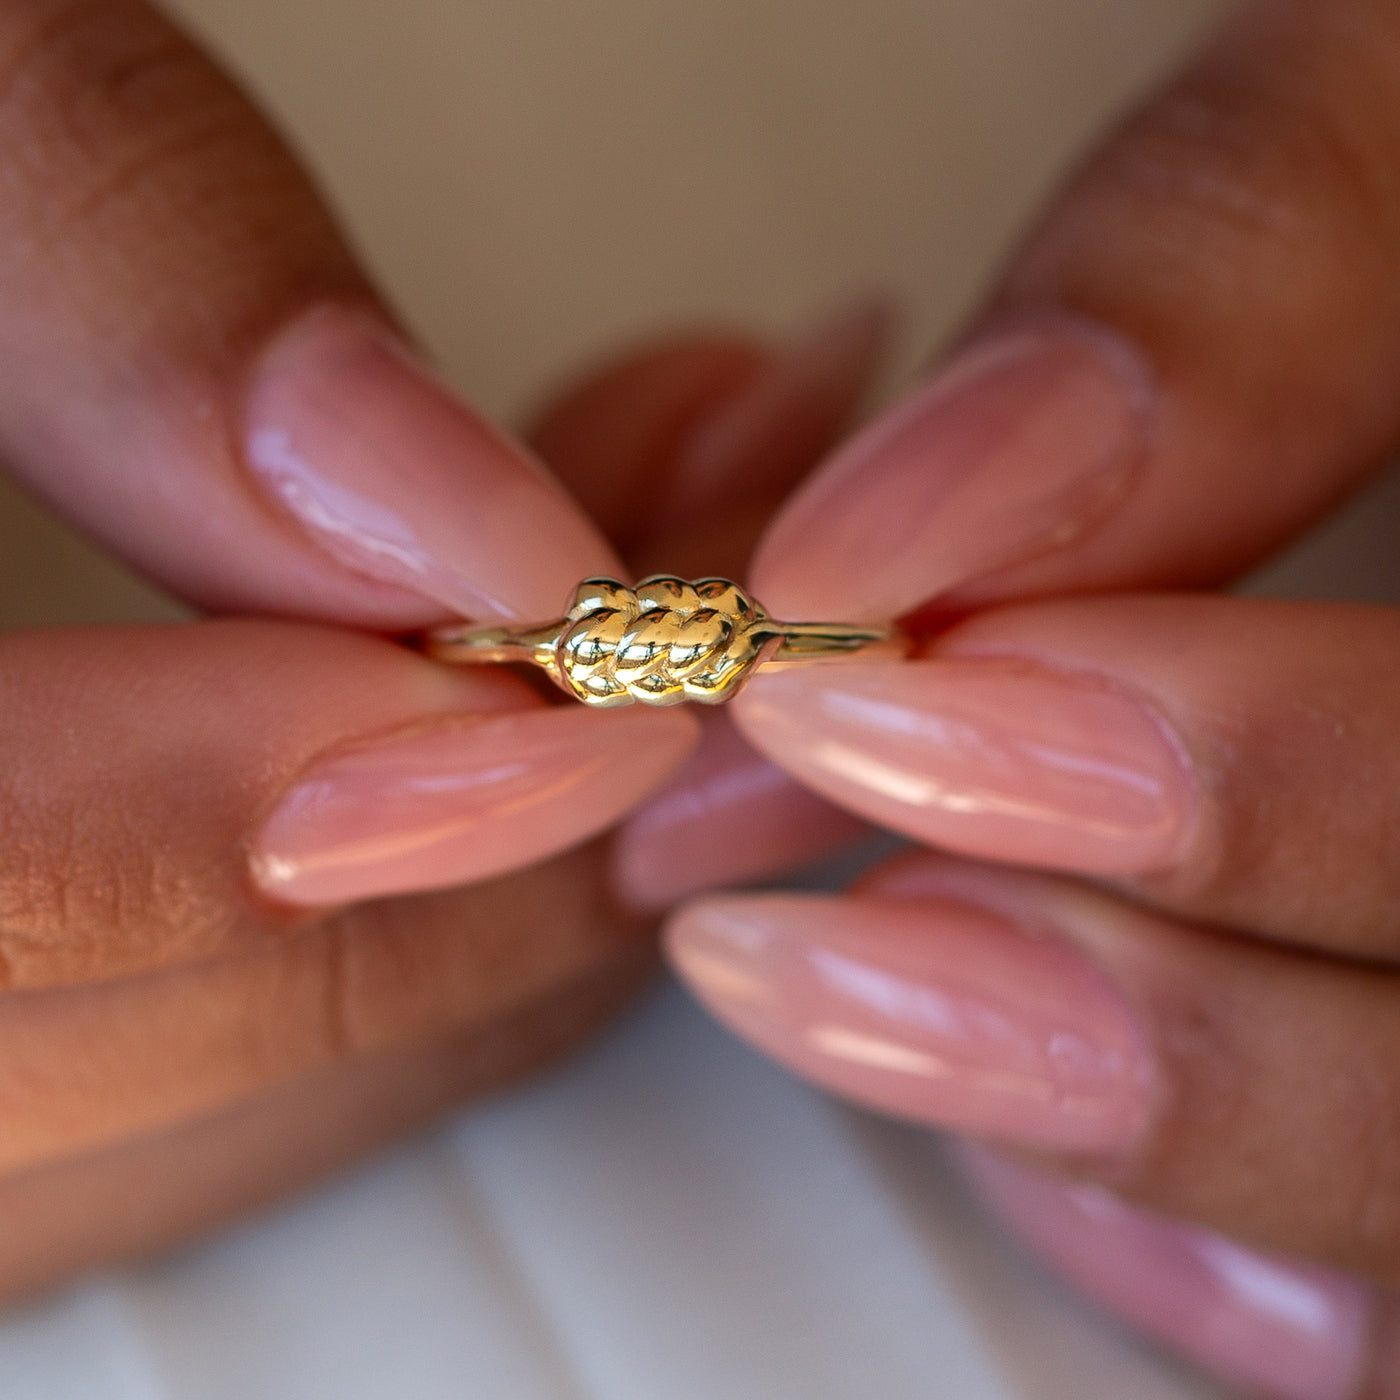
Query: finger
{"points": [[1244, 1086], [433, 976], [1233, 760], [139, 1197], [1193, 355], [611, 434], [682, 448], [176, 793], [1272, 1327], [193, 367], [728, 816], [83, 1067]]}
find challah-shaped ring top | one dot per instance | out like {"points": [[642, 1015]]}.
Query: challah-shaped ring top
{"points": [[664, 642]]}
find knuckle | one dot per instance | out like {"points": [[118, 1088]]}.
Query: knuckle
{"points": [[1230, 188], [383, 978], [1281, 771], [1260, 159], [397, 971], [389, 973], [349, 967], [1200, 157], [79, 904], [97, 99]]}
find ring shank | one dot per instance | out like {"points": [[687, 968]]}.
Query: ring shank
{"points": [[803, 642], [665, 642], [463, 645]]}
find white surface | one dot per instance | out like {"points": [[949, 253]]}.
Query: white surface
{"points": [[669, 1218]]}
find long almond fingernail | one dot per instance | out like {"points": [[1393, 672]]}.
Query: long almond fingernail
{"points": [[931, 1010], [1276, 1328], [988, 757], [397, 479], [461, 799], [1018, 447]]}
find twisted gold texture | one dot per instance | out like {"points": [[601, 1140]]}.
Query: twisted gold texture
{"points": [[662, 643]]}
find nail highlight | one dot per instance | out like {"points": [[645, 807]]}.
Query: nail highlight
{"points": [[988, 757], [934, 1011], [1018, 447], [1277, 1328], [459, 800], [397, 479]]}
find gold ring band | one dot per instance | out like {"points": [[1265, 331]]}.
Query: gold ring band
{"points": [[661, 643]]}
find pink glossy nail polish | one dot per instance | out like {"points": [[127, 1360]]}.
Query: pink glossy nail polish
{"points": [[1018, 447], [1276, 1328], [770, 432], [986, 756], [458, 800], [398, 480], [934, 1010], [727, 817]]}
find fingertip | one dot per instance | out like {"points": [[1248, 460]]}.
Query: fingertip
{"points": [[612, 434], [667, 442], [767, 435], [348, 436], [1280, 1328], [937, 1012], [1019, 446], [460, 799]]}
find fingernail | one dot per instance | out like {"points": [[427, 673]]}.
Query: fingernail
{"points": [[988, 757], [397, 479], [770, 432], [1272, 1327], [1018, 447], [727, 817], [459, 800], [935, 1011]]}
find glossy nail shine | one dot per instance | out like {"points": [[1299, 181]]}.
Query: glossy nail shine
{"points": [[396, 479], [1278, 1328], [460, 800], [1019, 446], [989, 757], [931, 1010]]}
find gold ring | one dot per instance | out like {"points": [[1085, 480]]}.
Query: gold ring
{"points": [[664, 642]]}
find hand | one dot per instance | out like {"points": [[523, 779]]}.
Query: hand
{"points": [[1164, 958], [237, 943]]}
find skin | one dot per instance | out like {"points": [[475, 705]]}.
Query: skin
{"points": [[168, 1020], [1234, 236], [1237, 231], [141, 1045]]}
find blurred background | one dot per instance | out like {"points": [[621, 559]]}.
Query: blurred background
{"points": [[536, 182]]}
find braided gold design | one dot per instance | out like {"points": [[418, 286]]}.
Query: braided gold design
{"points": [[664, 642]]}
